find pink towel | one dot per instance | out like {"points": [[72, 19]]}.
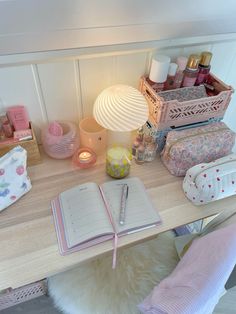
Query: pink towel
{"points": [[197, 283]]}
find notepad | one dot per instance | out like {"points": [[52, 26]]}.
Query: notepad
{"points": [[88, 214]]}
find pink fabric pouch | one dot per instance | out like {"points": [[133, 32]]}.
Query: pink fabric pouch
{"points": [[187, 148]]}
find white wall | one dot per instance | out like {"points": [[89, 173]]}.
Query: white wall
{"points": [[66, 88], [32, 25], [56, 56]]}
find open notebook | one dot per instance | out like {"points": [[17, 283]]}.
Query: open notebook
{"points": [[88, 214]]}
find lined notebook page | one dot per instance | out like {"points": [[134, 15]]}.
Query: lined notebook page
{"points": [[139, 209], [84, 214]]}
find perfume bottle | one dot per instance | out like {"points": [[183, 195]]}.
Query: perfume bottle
{"points": [[182, 63], [135, 148], [204, 67], [191, 71], [140, 155], [158, 72], [169, 83], [150, 152], [6, 127]]}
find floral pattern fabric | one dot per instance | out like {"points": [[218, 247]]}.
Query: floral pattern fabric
{"points": [[14, 181], [187, 148], [212, 181]]}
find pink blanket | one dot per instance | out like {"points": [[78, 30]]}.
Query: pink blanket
{"points": [[197, 283]]}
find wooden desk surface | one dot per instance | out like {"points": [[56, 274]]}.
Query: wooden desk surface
{"points": [[29, 250]]}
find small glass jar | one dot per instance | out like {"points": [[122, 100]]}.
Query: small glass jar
{"points": [[140, 155], [150, 152], [118, 160], [135, 147]]}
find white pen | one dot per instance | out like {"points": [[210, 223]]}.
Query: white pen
{"points": [[124, 196]]}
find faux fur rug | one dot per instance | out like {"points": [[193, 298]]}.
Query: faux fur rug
{"points": [[94, 288]]}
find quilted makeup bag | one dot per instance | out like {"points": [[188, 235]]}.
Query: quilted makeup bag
{"points": [[212, 181], [187, 148], [14, 181]]}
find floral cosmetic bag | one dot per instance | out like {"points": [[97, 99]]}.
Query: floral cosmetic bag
{"points": [[212, 181], [187, 148], [14, 181]]}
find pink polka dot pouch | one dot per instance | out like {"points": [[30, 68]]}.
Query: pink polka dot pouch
{"points": [[211, 181], [14, 181]]}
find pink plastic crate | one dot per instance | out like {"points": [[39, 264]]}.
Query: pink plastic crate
{"points": [[12, 297], [165, 114]]}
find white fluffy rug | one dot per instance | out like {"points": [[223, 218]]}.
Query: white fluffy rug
{"points": [[94, 288]]}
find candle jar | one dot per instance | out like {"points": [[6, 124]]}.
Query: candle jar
{"points": [[118, 160], [84, 158]]}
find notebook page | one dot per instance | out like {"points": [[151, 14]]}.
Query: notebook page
{"points": [[139, 209], [84, 214]]}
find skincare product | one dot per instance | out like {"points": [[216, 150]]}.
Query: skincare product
{"points": [[18, 117], [191, 71], [169, 83], [158, 72], [204, 67], [182, 63]]}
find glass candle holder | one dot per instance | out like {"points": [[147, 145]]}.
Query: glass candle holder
{"points": [[118, 160], [93, 135], [84, 158]]}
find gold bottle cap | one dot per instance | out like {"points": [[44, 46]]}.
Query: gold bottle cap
{"points": [[193, 62], [205, 58]]}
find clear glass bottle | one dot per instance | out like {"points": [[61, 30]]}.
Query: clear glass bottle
{"points": [[150, 152], [140, 155], [182, 63], [204, 67], [135, 147], [169, 83], [191, 71]]}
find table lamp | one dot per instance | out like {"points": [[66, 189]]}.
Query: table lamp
{"points": [[120, 109]]}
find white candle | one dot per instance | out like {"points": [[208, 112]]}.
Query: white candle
{"points": [[85, 157]]}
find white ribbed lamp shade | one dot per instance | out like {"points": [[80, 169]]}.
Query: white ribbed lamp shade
{"points": [[120, 108]]}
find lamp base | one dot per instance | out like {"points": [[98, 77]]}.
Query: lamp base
{"points": [[120, 138]]}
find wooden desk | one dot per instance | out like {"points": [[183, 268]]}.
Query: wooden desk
{"points": [[29, 250]]}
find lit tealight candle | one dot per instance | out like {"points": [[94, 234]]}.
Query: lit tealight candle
{"points": [[84, 158]]}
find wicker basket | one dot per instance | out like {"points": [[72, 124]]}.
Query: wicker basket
{"points": [[165, 114], [31, 146], [13, 297]]}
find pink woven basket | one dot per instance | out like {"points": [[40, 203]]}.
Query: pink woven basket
{"points": [[164, 114], [16, 296]]}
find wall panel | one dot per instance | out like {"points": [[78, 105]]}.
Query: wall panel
{"points": [[67, 88], [17, 86], [95, 75], [60, 90]]}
